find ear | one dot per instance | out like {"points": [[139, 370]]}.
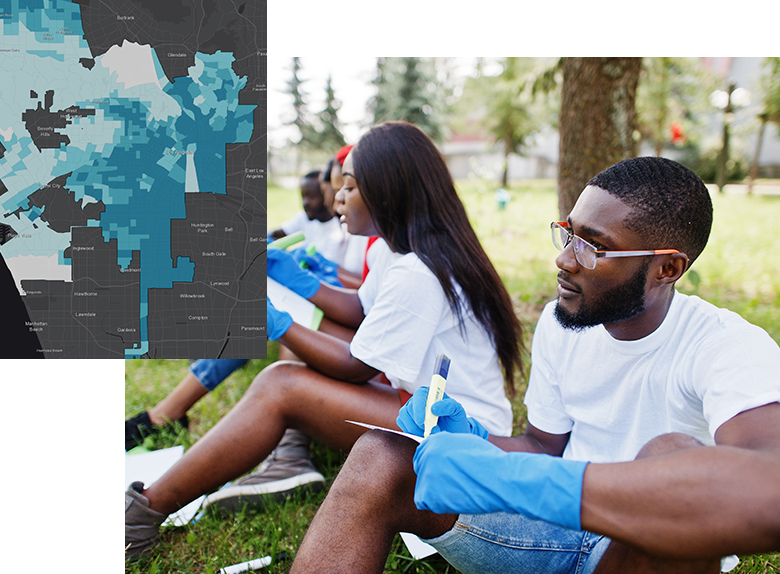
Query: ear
{"points": [[671, 267]]}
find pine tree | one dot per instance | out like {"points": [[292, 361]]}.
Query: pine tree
{"points": [[330, 136], [406, 90], [416, 98], [309, 136], [380, 104]]}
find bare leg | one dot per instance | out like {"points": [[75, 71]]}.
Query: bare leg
{"points": [[284, 395], [371, 499], [188, 392], [620, 558]]}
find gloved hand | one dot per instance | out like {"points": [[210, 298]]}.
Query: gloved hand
{"points": [[325, 269], [283, 268], [277, 322], [459, 473], [452, 416]]}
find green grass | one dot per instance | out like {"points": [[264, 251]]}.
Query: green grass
{"points": [[740, 270]]}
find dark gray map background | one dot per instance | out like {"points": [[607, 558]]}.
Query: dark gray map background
{"points": [[219, 313]]}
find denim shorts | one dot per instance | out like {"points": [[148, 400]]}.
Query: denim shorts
{"points": [[211, 372], [500, 543]]}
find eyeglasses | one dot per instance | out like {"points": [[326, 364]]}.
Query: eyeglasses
{"points": [[585, 253]]}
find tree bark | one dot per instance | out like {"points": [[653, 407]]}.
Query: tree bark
{"points": [[597, 121], [757, 156]]}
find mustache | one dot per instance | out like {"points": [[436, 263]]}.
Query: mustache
{"points": [[564, 277]]}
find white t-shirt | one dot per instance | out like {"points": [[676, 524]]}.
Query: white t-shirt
{"points": [[327, 236], [409, 322], [700, 368], [355, 251], [377, 252]]}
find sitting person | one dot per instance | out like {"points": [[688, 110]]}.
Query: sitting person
{"points": [[317, 221], [351, 249], [653, 437], [433, 291]]}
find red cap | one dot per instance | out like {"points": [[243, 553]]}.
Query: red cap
{"points": [[343, 153]]}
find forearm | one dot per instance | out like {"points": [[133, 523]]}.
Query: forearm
{"points": [[326, 354], [697, 503], [519, 443], [534, 440], [348, 279], [340, 305]]}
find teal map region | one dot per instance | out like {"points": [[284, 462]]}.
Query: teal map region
{"points": [[132, 178]]}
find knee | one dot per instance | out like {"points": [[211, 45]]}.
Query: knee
{"points": [[379, 465], [667, 444], [276, 380]]}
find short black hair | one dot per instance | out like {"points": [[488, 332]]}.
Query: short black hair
{"points": [[328, 169], [670, 205], [312, 175]]}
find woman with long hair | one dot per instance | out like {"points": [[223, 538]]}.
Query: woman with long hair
{"points": [[433, 290]]}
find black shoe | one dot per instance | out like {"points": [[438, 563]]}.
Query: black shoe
{"points": [[140, 426]]}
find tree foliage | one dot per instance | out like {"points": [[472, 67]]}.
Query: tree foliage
{"points": [[510, 119], [329, 135], [770, 85], [504, 107], [407, 90], [672, 97], [302, 120]]}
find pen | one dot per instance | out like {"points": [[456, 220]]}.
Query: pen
{"points": [[252, 564], [436, 391]]}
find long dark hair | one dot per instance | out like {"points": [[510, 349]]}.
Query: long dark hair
{"points": [[411, 197]]}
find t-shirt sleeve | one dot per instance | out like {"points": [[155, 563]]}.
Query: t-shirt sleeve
{"points": [[543, 399], [736, 374], [401, 322]]}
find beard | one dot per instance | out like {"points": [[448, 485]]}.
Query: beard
{"points": [[617, 304]]}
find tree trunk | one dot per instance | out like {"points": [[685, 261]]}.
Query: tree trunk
{"points": [[505, 175], [757, 155], [597, 121]]}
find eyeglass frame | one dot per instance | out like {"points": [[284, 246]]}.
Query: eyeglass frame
{"points": [[564, 225]]}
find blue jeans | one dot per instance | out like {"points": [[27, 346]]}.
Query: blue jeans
{"points": [[211, 372], [500, 543]]}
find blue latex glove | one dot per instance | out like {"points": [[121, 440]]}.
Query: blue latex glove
{"points": [[282, 267], [452, 416], [460, 473], [277, 322], [325, 269]]}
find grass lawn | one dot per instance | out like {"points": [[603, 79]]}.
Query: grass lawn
{"points": [[740, 270]]}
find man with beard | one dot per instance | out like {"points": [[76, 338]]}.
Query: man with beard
{"points": [[653, 436]]}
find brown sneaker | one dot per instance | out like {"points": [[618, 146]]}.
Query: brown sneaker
{"points": [[141, 522], [287, 469]]}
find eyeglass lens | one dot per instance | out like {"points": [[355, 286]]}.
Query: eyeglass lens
{"points": [[583, 251]]}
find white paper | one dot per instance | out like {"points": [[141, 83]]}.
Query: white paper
{"points": [[417, 548], [406, 434], [148, 467], [302, 311]]}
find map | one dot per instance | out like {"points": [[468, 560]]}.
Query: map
{"points": [[133, 179]]}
